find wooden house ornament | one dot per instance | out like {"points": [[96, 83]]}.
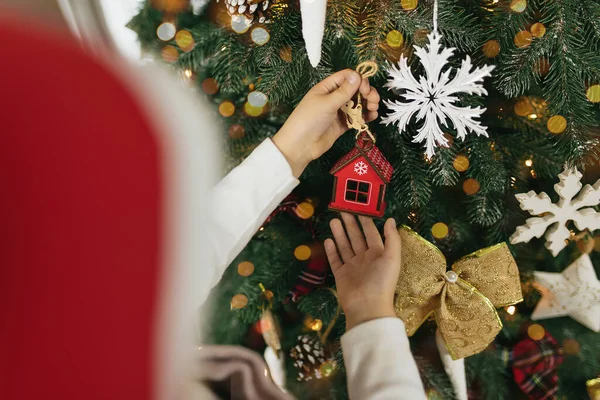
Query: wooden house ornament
{"points": [[360, 180]]}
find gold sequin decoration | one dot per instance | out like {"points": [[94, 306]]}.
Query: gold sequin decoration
{"points": [[464, 305]]}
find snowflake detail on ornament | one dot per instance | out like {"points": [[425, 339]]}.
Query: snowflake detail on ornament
{"points": [[432, 96], [567, 209], [361, 168]]}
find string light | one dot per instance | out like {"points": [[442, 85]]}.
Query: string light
{"points": [[532, 116], [529, 162], [511, 310], [188, 73]]}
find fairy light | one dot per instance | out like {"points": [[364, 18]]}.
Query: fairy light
{"points": [[188, 73], [511, 310], [529, 162], [532, 116]]}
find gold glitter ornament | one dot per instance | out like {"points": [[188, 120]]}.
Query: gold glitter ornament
{"points": [[394, 39], [491, 48], [439, 230], [536, 332], [518, 6], [538, 30], [464, 299], [271, 332], [593, 388], [245, 268], [522, 39], [239, 301], [409, 4], [302, 252], [557, 124], [593, 93], [461, 163], [226, 109]]}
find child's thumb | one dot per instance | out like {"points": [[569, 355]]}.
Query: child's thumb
{"points": [[348, 82]]}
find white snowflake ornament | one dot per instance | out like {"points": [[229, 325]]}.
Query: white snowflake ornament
{"points": [[557, 215], [575, 293], [432, 96], [361, 168]]}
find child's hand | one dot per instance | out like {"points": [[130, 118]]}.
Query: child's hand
{"points": [[365, 270], [317, 122]]}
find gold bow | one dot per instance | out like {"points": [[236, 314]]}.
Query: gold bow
{"points": [[463, 299]]}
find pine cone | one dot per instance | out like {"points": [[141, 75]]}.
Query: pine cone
{"points": [[248, 8], [311, 359]]}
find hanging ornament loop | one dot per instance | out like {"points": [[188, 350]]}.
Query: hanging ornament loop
{"points": [[353, 111]]}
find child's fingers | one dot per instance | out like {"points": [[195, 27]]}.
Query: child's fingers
{"points": [[339, 87], [341, 241], [365, 88], [392, 240], [371, 116], [373, 100], [332, 255], [356, 236], [372, 235]]}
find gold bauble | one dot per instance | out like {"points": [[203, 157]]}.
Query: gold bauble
{"points": [[394, 39], [302, 252], [523, 39], [184, 40], [439, 230], [523, 107], [169, 54], [409, 4], [210, 86], [471, 186], [245, 268], [253, 111], [491, 48], [239, 301], [226, 108], [593, 93], [170, 6], [538, 30], [557, 124], [536, 332], [236, 131], [461, 163], [518, 6], [305, 210]]}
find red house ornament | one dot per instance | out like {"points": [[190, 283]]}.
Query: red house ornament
{"points": [[361, 178]]}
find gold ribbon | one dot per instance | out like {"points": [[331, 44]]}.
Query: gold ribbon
{"points": [[463, 300]]}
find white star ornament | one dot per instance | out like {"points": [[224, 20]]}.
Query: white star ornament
{"points": [[575, 293]]}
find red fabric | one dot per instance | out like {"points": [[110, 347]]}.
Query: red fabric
{"points": [[79, 225], [534, 364]]}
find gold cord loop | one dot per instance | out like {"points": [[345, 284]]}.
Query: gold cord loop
{"points": [[353, 111]]}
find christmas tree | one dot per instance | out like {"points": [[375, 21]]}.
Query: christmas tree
{"points": [[463, 182]]}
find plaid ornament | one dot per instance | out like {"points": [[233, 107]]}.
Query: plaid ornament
{"points": [[534, 364]]}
